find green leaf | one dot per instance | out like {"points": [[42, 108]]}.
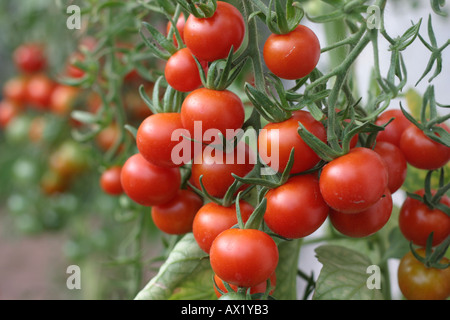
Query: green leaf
{"points": [[184, 261], [197, 287], [344, 275], [286, 271]]}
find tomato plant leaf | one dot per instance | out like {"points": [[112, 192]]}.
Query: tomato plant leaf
{"points": [[286, 271], [184, 260], [344, 275]]}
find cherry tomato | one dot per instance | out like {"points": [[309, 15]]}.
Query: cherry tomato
{"points": [[15, 90], [147, 184], [154, 138], [211, 38], [177, 215], [205, 109], [281, 137], [355, 181], [364, 223], [62, 99], [39, 91], [181, 71], [296, 209], [52, 182], [395, 164], [8, 110], [244, 257], [418, 282], [422, 152], [71, 70], [37, 129], [108, 137], [180, 27], [216, 167], [417, 221], [212, 219], [69, 159], [30, 58], [260, 288], [394, 130], [110, 181], [293, 55]]}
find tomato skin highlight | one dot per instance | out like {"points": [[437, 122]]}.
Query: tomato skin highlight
{"points": [[293, 55], [396, 164], [177, 215], [181, 71], [417, 221], [212, 219], [417, 282], [154, 138], [110, 181], [284, 136], [355, 181], [244, 257], [210, 39], [214, 110], [364, 223], [147, 184], [296, 209], [422, 152]]}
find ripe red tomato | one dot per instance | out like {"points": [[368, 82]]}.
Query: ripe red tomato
{"points": [[30, 58], [276, 141], [216, 167], [293, 55], [181, 71], [147, 184], [154, 139], [8, 110], [244, 257], [108, 137], [110, 181], [417, 221], [205, 109], [260, 288], [422, 152], [211, 38], [394, 130], [180, 27], [355, 181], [364, 223], [177, 215], [418, 282], [15, 90], [71, 70], [212, 219], [39, 91], [395, 164], [62, 99], [296, 209]]}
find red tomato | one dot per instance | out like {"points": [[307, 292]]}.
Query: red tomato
{"points": [[62, 99], [110, 181], [355, 181], [39, 91], [181, 71], [366, 222], [180, 26], [422, 152], [147, 184], [107, 138], [71, 70], [211, 38], [69, 159], [8, 110], [276, 141], [177, 215], [395, 164], [394, 130], [417, 221], [293, 55], [15, 90], [212, 219], [296, 209], [154, 139], [30, 58], [217, 166], [53, 182], [244, 257], [213, 111], [417, 282], [260, 288]]}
